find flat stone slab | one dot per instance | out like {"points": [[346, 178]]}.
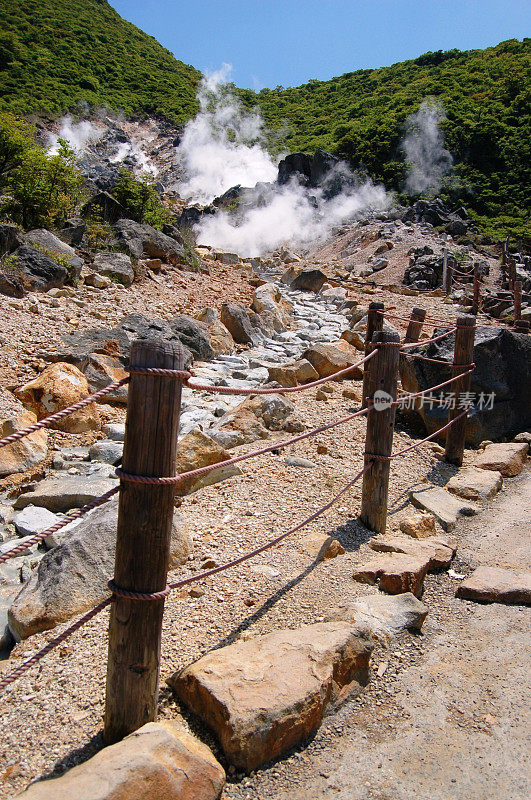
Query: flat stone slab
{"points": [[263, 696], [509, 458], [437, 550], [496, 585], [384, 615], [473, 483], [64, 493], [157, 762], [394, 573], [34, 519], [445, 507]]}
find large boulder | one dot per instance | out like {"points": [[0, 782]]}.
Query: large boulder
{"points": [[263, 696], [268, 299], [58, 386], [11, 237], [197, 450], [50, 244], [30, 270], [157, 762], [115, 342], [140, 240], [101, 370], [194, 335], [73, 576], [254, 419], [221, 340], [104, 206], [309, 279], [25, 453], [236, 319], [327, 359], [61, 491], [503, 368], [116, 266]]}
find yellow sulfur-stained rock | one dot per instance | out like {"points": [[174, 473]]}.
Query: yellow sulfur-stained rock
{"points": [[58, 386]]}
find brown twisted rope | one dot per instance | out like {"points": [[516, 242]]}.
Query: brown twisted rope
{"points": [[163, 373], [47, 421], [282, 389], [19, 671], [429, 341], [16, 551], [375, 457], [438, 386], [119, 592], [194, 473]]}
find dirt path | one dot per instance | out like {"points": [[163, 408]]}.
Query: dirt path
{"points": [[451, 724]]}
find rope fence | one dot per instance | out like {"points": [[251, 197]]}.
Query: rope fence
{"points": [[147, 500]]}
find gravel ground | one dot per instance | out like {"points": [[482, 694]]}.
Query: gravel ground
{"points": [[52, 717]]}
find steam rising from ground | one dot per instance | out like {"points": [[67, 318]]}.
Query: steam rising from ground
{"points": [[423, 145], [79, 135], [82, 135], [225, 146], [222, 146]]}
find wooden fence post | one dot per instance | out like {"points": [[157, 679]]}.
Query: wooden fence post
{"points": [[463, 356], [418, 315], [375, 323], [447, 273], [143, 539], [382, 377], [476, 291], [517, 300]]}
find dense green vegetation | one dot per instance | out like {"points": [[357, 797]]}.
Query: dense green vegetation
{"points": [[140, 198], [37, 189], [486, 95], [55, 54]]}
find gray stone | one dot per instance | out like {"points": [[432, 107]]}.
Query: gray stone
{"points": [[507, 458], [66, 492], [144, 241], [193, 334], [384, 615], [236, 319], [445, 507], [107, 451], [49, 243], [73, 576], [34, 271], [295, 461], [116, 266], [114, 431], [34, 519]]}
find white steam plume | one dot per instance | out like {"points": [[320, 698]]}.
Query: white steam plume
{"points": [[222, 146], [225, 146], [78, 135], [423, 145]]}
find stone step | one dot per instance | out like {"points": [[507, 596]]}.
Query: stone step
{"points": [[445, 507]]}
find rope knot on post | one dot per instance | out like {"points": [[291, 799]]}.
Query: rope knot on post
{"points": [[119, 592]]}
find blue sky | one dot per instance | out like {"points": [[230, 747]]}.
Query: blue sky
{"points": [[287, 42]]}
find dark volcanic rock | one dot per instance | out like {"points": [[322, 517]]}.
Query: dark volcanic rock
{"points": [[114, 342], [236, 319], [11, 237], [32, 270], [140, 240], [297, 165], [194, 335], [503, 366], [106, 206], [51, 245]]}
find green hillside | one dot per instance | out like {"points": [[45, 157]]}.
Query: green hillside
{"points": [[54, 53], [486, 94]]}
